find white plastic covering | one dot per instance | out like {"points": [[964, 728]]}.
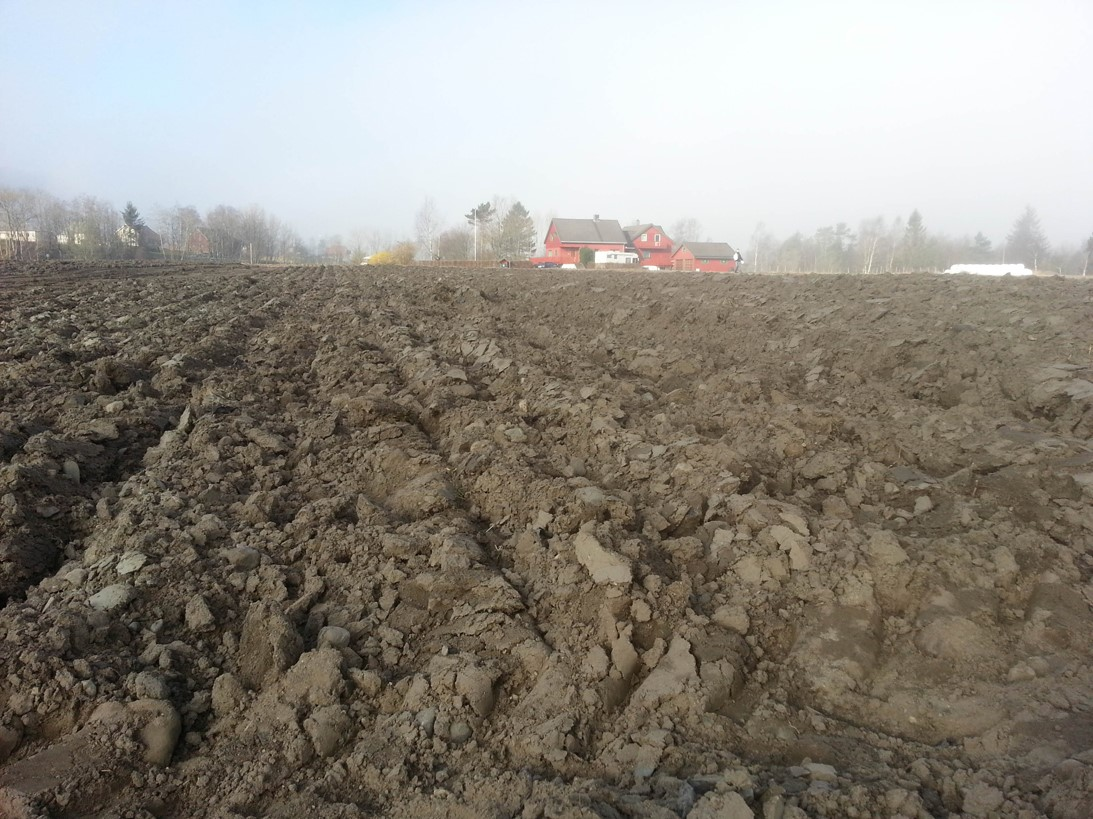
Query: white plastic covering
{"points": [[991, 269]]}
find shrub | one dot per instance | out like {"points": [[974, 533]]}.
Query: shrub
{"points": [[403, 253]]}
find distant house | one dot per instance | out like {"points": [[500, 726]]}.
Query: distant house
{"points": [[651, 243], [704, 257], [197, 243], [566, 237], [142, 237], [18, 244]]}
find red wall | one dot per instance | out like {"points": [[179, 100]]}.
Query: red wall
{"points": [[571, 253], [685, 260], [659, 255]]}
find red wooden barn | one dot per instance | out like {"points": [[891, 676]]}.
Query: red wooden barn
{"points": [[705, 257]]}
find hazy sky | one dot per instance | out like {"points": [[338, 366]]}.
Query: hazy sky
{"points": [[337, 116]]}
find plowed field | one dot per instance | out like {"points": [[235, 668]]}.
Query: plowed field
{"points": [[340, 542]]}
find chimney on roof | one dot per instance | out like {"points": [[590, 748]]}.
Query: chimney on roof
{"points": [[595, 217]]}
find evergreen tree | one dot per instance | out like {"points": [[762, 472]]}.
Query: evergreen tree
{"points": [[479, 218], [134, 228], [131, 217], [517, 233], [1026, 243], [983, 246], [914, 242]]}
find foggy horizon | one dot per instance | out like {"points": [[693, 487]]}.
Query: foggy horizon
{"points": [[347, 116]]}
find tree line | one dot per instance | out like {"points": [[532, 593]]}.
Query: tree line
{"points": [[882, 245], [91, 228], [497, 229]]}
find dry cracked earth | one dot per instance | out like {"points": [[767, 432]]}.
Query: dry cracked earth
{"points": [[333, 542]]}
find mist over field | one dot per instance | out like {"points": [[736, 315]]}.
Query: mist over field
{"points": [[743, 123]]}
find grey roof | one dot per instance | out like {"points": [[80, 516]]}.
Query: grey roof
{"points": [[604, 231], [637, 230], [708, 250]]}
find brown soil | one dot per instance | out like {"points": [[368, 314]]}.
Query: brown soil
{"points": [[340, 543]]}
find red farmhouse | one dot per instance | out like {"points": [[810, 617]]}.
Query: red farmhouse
{"points": [[705, 257], [652, 244], [566, 237]]}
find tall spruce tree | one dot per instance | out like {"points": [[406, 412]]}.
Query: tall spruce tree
{"points": [[1026, 243], [914, 242], [131, 216], [517, 233]]}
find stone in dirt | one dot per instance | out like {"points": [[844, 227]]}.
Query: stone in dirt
{"points": [[131, 562], [334, 637], [113, 597], [160, 731], [199, 616], [150, 685], [243, 558], [227, 694], [328, 727], [981, 799], [603, 565], [884, 549]]}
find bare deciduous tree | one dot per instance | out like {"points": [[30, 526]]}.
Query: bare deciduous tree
{"points": [[17, 223], [456, 244], [687, 229], [177, 226], [872, 234], [426, 227]]}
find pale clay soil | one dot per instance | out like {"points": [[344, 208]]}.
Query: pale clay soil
{"points": [[431, 543]]}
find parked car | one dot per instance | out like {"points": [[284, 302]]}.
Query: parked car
{"points": [[548, 264]]}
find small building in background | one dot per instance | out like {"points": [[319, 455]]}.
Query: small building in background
{"points": [[18, 244], [141, 236], [704, 257]]}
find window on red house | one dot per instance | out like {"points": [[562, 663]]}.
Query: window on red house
{"points": [[656, 239], [645, 237]]}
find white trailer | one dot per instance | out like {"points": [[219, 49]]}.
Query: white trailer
{"points": [[616, 257]]}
